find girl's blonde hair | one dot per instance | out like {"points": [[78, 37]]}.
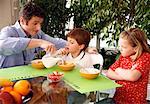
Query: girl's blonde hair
{"points": [[136, 38]]}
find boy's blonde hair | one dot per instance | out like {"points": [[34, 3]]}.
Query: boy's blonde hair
{"points": [[136, 38]]}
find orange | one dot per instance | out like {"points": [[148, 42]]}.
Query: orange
{"points": [[17, 97], [6, 89], [22, 87], [5, 82]]}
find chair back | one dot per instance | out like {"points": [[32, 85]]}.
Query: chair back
{"points": [[97, 59]]}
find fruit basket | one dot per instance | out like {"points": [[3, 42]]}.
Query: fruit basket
{"points": [[18, 92], [55, 76]]}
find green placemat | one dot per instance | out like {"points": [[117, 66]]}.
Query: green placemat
{"points": [[72, 78], [83, 85], [23, 72]]}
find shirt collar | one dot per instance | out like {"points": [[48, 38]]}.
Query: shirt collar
{"points": [[21, 32], [19, 29], [81, 55]]}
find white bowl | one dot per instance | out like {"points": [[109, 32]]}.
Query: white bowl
{"points": [[49, 62]]}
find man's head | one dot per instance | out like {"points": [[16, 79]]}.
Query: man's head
{"points": [[31, 17]]}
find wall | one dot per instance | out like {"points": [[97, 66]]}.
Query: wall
{"points": [[8, 12]]}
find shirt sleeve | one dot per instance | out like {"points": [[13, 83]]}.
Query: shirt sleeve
{"points": [[116, 64], [10, 44], [143, 63], [59, 43]]}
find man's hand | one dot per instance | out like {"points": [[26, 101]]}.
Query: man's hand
{"points": [[46, 45]]}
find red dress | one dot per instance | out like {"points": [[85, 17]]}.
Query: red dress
{"points": [[133, 92]]}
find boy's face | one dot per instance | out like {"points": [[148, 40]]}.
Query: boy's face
{"points": [[125, 48], [73, 46], [33, 26]]}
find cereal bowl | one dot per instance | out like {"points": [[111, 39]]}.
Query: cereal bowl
{"points": [[37, 64], [67, 66], [89, 73]]}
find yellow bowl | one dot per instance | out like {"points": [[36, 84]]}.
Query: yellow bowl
{"points": [[37, 64], [67, 66], [89, 74]]}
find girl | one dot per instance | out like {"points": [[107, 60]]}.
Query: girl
{"points": [[132, 68]]}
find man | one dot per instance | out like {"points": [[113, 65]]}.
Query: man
{"points": [[20, 42]]}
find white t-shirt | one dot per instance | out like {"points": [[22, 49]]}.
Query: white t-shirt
{"points": [[83, 60]]}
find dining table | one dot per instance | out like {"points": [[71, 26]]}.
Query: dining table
{"points": [[46, 92]]}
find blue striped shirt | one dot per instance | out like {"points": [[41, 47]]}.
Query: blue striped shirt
{"points": [[14, 42]]}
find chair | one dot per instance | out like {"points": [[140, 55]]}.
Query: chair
{"points": [[97, 59], [148, 88]]}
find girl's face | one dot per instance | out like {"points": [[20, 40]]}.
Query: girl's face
{"points": [[125, 48], [73, 46]]}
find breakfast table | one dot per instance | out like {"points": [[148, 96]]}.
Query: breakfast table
{"points": [[56, 93]]}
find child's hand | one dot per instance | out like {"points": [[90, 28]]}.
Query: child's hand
{"points": [[118, 70], [60, 62], [128, 75], [121, 71], [63, 51], [92, 50]]}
